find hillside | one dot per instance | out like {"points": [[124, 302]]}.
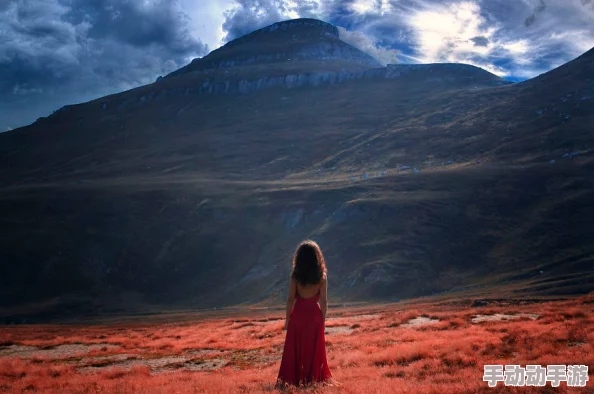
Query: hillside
{"points": [[194, 190]]}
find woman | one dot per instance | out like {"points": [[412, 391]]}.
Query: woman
{"points": [[304, 355]]}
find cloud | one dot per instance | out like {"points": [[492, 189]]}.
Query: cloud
{"points": [[540, 7], [249, 15], [480, 41], [379, 7], [23, 90], [207, 20], [491, 34], [140, 24], [363, 42], [59, 52], [457, 33], [588, 4]]}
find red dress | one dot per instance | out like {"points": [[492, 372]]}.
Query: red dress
{"points": [[304, 355]]}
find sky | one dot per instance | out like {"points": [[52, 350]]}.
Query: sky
{"points": [[59, 52]]}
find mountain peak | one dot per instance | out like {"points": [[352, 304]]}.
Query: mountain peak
{"points": [[301, 43], [302, 28]]}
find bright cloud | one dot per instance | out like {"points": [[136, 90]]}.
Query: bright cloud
{"points": [[466, 32], [206, 21], [363, 42], [380, 7], [517, 39], [457, 33]]}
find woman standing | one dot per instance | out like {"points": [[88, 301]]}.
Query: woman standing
{"points": [[304, 355]]}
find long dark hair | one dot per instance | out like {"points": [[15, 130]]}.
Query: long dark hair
{"points": [[308, 263]]}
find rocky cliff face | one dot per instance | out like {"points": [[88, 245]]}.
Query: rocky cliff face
{"points": [[423, 73], [206, 82]]}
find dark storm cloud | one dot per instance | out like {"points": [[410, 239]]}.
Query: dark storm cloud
{"points": [[57, 52], [248, 16], [158, 24]]}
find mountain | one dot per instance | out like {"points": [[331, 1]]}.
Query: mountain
{"points": [[195, 190], [293, 44]]}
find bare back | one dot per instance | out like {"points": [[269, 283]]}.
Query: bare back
{"points": [[310, 291]]}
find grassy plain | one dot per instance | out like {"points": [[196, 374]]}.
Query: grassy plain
{"points": [[425, 346]]}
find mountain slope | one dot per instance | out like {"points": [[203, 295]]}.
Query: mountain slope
{"points": [[414, 180]]}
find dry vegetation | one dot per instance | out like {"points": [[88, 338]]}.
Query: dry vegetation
{"points": [[375, 350]]}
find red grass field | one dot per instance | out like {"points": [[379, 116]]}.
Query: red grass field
{"points": [[370, 350]]}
